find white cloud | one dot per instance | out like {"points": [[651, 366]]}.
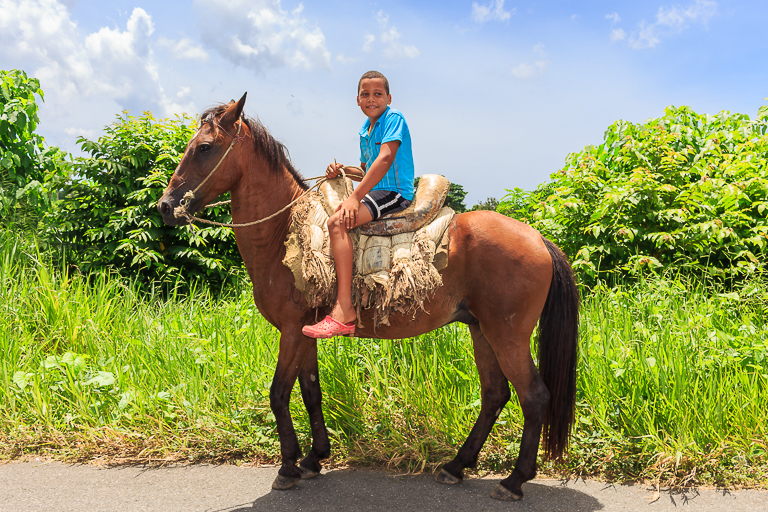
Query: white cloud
{"points": [[618, 34], [81, 132], [111, 63], [259, 34], [184, 48], [343, 59], [492, 11], [41, 32], [672, 20], [392, 47], [534, 68], [368, 44]]}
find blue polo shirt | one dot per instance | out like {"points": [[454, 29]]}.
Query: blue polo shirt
{"points": [[390, 126]]}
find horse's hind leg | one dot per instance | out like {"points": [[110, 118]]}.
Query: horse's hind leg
{"points": [[494, 393], [517, 364], [309, 380]]}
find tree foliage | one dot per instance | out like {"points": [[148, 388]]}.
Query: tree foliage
{"points": [[29, 171], [490, 204], [455, 199], [108, 215], [684, 191]]}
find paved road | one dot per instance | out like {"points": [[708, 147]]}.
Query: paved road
{"points": [[49, 487]]}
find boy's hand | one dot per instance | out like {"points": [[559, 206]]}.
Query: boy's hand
{"points": [[333, 170], [348, 210]]}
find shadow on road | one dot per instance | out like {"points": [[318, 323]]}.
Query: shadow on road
{"points": [[356, 490]]}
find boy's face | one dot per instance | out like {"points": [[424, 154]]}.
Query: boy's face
{"points": [[372, 98]]}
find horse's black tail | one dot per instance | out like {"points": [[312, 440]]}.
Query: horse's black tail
{"points": [[558, 352]]}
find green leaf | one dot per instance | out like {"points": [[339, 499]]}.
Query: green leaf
{"points": [[102, 379], [23, 379]]}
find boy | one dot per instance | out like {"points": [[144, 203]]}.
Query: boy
{"points": [[386, 187]]}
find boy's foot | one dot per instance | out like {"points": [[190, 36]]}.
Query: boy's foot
{"points": [[329, 327]]}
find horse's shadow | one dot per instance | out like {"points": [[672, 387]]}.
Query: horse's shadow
{"points": [[362, 490]]}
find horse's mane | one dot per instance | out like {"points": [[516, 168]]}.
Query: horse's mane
{"points": [[273, 150]]}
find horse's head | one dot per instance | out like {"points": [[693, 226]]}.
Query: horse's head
{"points": [[202, 174]]}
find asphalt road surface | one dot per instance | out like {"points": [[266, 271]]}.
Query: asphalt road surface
{"points": [[53, 487]]}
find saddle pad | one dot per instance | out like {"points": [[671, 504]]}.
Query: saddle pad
{"points": [[390, 274]]}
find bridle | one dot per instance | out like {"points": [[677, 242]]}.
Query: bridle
{"points": [[181, 210]]}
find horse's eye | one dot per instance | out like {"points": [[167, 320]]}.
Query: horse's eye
{"points": [[204, 148]]}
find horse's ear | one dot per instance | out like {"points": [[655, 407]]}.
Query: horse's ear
{"points": [[233, 113]]}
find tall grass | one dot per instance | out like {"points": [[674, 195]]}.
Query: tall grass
{"points": [[672, 381]]}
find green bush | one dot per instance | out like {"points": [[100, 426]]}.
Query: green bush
{"points": [[490, 204], [107, 217], [28, 170], [686, 191]]}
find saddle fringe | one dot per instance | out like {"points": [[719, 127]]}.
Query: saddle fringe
{"points": [[411, 280]]}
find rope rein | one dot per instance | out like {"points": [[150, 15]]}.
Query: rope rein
{"points": [[181, 210]]}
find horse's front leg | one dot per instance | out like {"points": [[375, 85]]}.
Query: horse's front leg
{"points": [[292, 354], [309, 380]]}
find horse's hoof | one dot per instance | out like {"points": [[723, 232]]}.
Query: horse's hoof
{"points": [[504, 494], [282, 483], [307, 473], [444, 477]]}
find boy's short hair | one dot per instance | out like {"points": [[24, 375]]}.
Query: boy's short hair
{"points": [[373, 74]]}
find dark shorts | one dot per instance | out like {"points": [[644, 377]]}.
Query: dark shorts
{"points": [[381, 202]]}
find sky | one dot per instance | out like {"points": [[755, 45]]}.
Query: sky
{"points": [[496, 93]]}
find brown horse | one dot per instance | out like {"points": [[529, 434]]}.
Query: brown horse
{"points": [[502, 277]]}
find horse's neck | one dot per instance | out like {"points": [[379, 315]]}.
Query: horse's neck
{"points": [[256, 197]]}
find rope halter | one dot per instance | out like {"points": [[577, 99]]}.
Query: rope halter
{"points": [[181, 210]]}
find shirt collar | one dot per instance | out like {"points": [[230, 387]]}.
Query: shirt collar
{"points": [[367, 123]]}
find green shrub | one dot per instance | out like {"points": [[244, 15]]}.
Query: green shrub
{"points": [[686, 191], [28, 170], [490, 204], [107, 217]]}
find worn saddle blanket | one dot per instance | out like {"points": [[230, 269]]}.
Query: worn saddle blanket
{"points": [[391, 273]]}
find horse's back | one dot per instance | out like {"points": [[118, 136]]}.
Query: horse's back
{"points": [[498, 245]]}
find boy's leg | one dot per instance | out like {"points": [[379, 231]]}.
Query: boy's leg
{"points": [[341, 245]]}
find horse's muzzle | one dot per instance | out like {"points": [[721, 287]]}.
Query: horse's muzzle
{"points": [[166, 205]]}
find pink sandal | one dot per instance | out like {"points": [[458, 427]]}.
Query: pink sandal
{"points": [[329, 327]]}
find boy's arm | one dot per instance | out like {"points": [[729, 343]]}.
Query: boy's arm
{"points": [[378, 169]]}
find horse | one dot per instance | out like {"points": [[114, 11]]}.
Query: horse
{"points": [[503, 277]]}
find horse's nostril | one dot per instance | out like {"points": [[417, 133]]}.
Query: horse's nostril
{"points": [[165, 208]]}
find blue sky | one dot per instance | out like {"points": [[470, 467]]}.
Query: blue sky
{"points": [[496, 92]]}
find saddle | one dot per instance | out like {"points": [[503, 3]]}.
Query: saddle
{"points": [[397, 258]]}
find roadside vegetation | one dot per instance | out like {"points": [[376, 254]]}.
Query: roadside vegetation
{"points": [[123, 340], [685, 192], [672, 381]]}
